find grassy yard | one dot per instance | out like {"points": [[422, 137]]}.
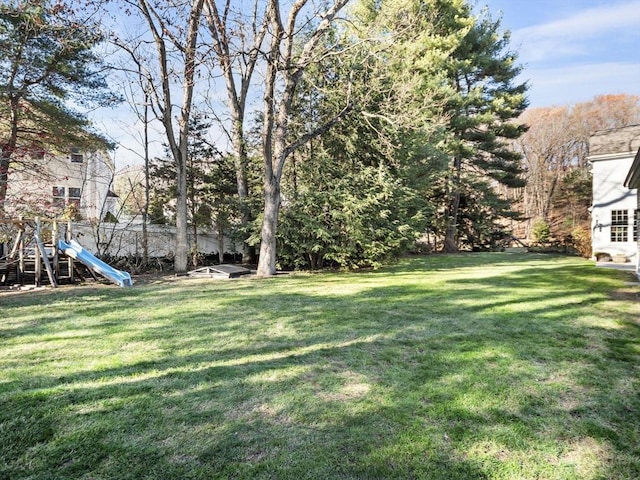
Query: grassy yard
{"points": [[478, 366]]}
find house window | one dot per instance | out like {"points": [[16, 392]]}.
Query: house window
{"points": [[619, 225], [74, 196], [76, 156], [58, 197], [636, 221], [66, 196]]}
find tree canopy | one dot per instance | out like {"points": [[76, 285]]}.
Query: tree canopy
{"points": [[353, 129], [380, 121], [484, 101], [48, 65]]}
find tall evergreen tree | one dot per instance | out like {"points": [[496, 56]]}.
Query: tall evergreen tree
{"points": [[349, 202], [484, 99], [358, 194]]}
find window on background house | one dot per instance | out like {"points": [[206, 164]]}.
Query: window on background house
{"points": [[58, 197], [619, 225], [74, 196], [76, 156], [72, 208], [636, 222]]}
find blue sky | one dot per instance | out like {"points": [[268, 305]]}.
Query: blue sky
{"points": [[573, 50]]}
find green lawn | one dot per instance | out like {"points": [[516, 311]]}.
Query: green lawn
{"points": [[445, 367]]}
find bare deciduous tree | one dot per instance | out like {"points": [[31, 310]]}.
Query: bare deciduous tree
{"points": [[174, 29], [287, 60], [556, 146], [236, 40]]}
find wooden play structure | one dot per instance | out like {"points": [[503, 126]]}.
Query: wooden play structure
{"points": [[32, 256], [43, 251]]}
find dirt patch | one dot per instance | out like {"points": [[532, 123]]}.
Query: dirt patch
{"points": [[628, 293]]}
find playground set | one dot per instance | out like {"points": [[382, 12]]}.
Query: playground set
{"points": [[44, 250]]}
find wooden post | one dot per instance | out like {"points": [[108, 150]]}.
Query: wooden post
{"points": [[12, 255], [45, 257], [37, 262], [54, 242], [20, 271], [67, 237]]}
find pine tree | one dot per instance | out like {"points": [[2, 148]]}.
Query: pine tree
{"points": [[482, 103], [47, 61]]}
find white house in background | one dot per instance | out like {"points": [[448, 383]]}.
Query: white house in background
{"points": [[83, 181], [633, 181], [614, 214], [78, 180]]}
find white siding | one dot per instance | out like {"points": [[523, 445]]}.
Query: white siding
{"points": [[609, 194], [30, 192]]}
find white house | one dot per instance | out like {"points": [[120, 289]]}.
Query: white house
{"points": [[633, 181], [80, 181], [614, 214]]}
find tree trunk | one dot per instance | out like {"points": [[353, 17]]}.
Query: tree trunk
{"points": [[182, 245], [238, 81], [4, 178], [248, 253], [147, 187], [220, 230], [177, 144], [267, 261], [194, 252], [451, 233], [6, 150], [275, 146], [548, 202]]}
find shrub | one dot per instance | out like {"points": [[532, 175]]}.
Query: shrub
{"points": [[581, 241], [540, 231]]}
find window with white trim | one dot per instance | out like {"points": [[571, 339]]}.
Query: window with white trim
{"points": [[76, 156], [58, 195], [74, 196], [636, 222], [619, 225]]}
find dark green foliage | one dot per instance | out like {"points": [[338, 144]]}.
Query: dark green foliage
{"points": [[540, 231], [431, 101], [484, 100], [210, 183], [162, 178], [357, 196], [362, 219], [156, 211], [481, 215], [47, 60]]}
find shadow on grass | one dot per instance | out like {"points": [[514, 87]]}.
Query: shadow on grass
{"points": [[504, 374]]}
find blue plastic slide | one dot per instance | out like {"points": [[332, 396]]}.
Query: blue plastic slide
{"points": [[76, 251]]}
